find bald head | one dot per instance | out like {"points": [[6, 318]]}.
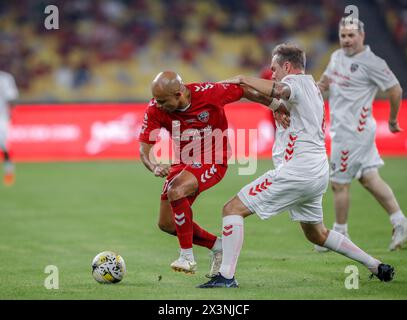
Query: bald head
{"points": [[169, 91], [167, 82]]}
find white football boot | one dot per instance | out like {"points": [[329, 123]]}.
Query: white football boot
{"points": [[399, 238], [184, 264], [216, 261]]}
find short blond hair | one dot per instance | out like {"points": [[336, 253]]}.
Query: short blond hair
{"points": [[291, 53]]}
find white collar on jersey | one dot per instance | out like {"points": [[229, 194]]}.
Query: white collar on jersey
{"points": [[187, 107]]}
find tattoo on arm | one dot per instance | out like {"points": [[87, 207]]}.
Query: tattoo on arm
{"points": [[280, 91], [255, 96], [272, 90]]}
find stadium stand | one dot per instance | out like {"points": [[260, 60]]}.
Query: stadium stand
{"points": [[110, 49]]}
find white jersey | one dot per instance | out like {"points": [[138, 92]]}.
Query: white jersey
{"points": [[301, 147], [278, 146], [299, 155], [355, 82], [8, 92]]}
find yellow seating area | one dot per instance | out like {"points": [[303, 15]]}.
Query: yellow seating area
{"points": [[234, 42]]}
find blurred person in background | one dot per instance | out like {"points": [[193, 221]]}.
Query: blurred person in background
{"points": [[8, 93], [353, 77]]}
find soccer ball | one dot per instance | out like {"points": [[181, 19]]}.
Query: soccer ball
{"points": [[108, 267]]}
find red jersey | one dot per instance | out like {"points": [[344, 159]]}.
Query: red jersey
{"points": [[199, 132]]}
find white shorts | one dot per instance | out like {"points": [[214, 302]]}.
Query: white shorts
{"points": [[351, 161], [277, 191]]}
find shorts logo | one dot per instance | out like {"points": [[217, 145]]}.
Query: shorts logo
{"points": [[344, 159], [208, 174], [203, 116], [362, 119], [354, 67], [196, 165], [180, 219], [260, 187], [227, 230]]}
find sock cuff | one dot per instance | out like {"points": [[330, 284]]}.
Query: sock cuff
{"points": [[334, 240], [233, 219], [341, 227], [397, 215]]}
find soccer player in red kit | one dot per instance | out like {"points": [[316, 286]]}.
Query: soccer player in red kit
{"points": [[190, 113]]}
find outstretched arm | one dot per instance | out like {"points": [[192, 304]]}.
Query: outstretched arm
{"points": [[269, 88], [253, 95]]}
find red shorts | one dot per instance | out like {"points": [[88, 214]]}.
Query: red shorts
{"points": [[207, 175]]}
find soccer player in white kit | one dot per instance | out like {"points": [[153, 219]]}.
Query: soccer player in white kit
{"points": [[301, 176], [8, 93], [353, 77]]}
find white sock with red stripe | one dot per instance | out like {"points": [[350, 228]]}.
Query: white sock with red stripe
{"points": [[232, 241], [339, 243]]}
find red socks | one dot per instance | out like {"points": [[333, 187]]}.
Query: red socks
{"points": [[202, 237], [189, 232]]}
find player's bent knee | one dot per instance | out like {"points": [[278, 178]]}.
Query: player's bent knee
{"points": [[176, 193], [179, 189], [338, 187]]}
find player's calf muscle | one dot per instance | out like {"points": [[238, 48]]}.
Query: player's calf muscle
{"points": [[178, 190], [167, 227], [235, 207]]}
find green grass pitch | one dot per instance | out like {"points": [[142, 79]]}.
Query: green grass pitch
{"points": [[63, 214]]}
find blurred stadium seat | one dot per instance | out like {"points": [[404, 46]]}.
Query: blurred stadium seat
{"points": [[111, 49]]}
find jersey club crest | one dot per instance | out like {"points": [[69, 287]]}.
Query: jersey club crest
{"points": [[354, 67], [203, 116]]}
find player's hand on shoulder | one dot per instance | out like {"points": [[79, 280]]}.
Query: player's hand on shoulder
{"points": [[234, 80], [161, 170], [394, 126]]}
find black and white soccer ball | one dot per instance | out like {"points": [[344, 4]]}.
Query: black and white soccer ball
{"points": [[108, 267]]}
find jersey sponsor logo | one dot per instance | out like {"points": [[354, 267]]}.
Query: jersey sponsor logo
{"points": [[354, 67], [203, 116], [203, 87], [259, 188]]}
